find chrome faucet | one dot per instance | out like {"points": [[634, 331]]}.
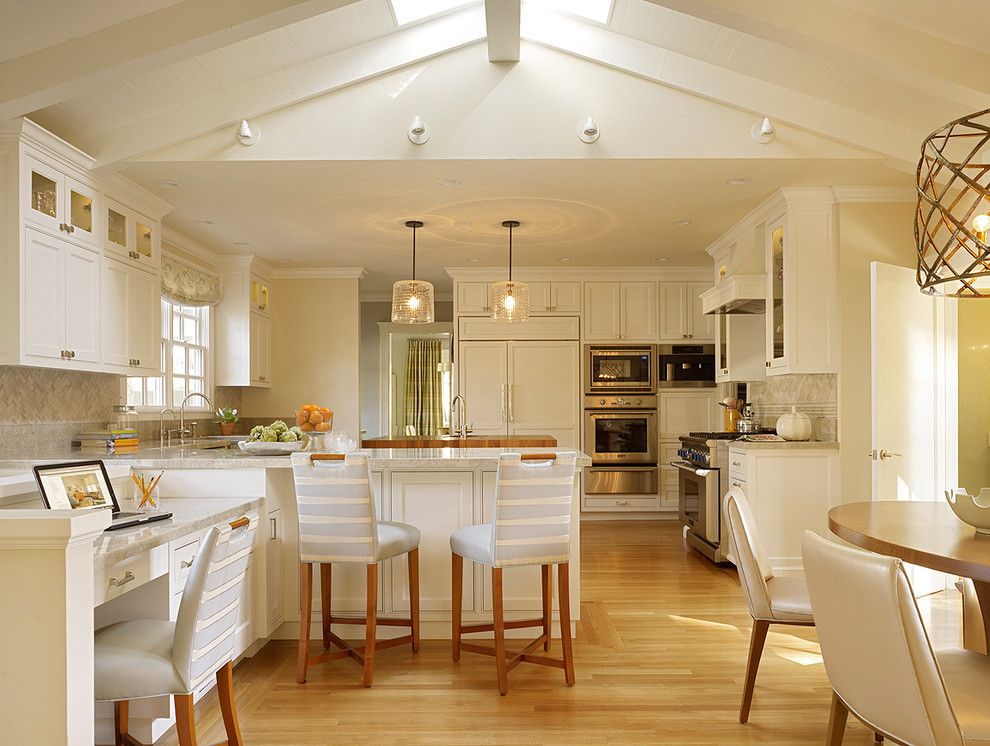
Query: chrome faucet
{"points": [[163, 434], [458, 427], [183, 430]]}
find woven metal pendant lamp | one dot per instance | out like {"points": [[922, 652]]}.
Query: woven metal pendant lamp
{"points": [[412, 300], [953, 216], [509, 300]]}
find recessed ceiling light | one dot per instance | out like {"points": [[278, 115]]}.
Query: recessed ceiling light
{"points": [[659, 259], [563, 258], [737, 181], [168, 184], [242, 243], [448, 182], [682, 222], [204, 221], [473, 260]]}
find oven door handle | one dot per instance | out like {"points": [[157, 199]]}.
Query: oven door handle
{"points": [[686, 466], [619, 467]]}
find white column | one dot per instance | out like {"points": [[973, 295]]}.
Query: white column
{"points": [[46, 618]]}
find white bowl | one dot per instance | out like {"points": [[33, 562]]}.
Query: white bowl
{"points": [[269, 448], [971, 509]]}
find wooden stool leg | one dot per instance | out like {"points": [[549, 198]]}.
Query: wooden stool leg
{"points": [[325, 585], [498, 613], [836, 722], [414, 596], [456, 595], [185, 722], [225, 693], [756, 642], [564, 593], [120, 722], [877, 738], [305, 616], [547, 603], [371, 624]]}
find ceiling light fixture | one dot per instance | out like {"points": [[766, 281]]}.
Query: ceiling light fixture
{"points": [[509, 300], [588, 131], [168, 184], [737, 181], [763, 132], [246, 135], [681, 223], [418, 133], [412, 300]]}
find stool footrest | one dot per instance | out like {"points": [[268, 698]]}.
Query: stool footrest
{"points": [[382, 622], [517, 624]]}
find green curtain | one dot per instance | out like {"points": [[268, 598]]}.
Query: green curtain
{"points": [[423, 399]]}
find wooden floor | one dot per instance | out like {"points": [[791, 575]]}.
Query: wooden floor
{"points": [[659, 654]]}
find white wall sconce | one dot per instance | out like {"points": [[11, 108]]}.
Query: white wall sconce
{"points": [[418, 133], [588, 131], [763, 132], [246, 135]]}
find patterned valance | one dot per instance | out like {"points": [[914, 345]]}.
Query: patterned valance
{"points": [[187, 285]]}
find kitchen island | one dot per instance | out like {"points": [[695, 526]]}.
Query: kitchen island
{"points": [[461, 441]]}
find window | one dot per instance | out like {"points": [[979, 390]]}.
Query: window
{"points": [[185, 349]]}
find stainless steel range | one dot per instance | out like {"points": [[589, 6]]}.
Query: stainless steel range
{"points": [[701, 488]]}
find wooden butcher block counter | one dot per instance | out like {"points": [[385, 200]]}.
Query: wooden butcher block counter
{"points": [[470, 441]]}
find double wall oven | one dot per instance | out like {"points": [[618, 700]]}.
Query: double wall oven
{"points": [[620, 420]]}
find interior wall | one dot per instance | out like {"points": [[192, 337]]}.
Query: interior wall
{"points": [[974, 394], [868, 232], [315, 331]]}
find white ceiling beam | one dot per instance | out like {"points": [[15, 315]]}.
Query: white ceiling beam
{"points": [[287, 87], [896, 142], [138, 45], [502, 22], [842, 35]]}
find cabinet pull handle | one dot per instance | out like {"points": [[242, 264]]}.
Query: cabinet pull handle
{"points": [[736, 463], [502, 389], [737, 484], [114, 583], [512, 415], [623, 503], [768, 363], [274, 527], [183, 564]]}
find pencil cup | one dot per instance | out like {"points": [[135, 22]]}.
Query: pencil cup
{"points": [[145, 495]]}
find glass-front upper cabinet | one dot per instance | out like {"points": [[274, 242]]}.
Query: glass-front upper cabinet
{"points": [[261, 295], [722, 346], [58, 202], [130, 234], [45, 199], [776, 289], [80, 202]]}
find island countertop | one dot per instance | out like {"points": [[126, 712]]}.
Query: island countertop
{"points": [[469, 441]]}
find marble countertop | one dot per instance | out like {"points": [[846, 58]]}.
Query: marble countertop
{"points": [[189, 515], [788, 445]]}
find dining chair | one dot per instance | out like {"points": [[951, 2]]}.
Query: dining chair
{"points": [[337, 525], [143, 658], [878, 656], [531, 525], [769, 598]]}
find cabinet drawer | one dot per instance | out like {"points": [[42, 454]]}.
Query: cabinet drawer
{"points": [[737, 482], [737, 465], [183, 553], [131, 573], [621, 504]]}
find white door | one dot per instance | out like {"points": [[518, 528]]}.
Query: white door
{"points": [[544, 390], [673, 324], [82, 304], [905, 449], [639, 311], [483, 382], [700, 326], [116, 341], [601, 311], [144, 320], [44, 296]]}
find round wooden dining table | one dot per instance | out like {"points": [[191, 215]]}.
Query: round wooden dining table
{"points": [[921, 533]]}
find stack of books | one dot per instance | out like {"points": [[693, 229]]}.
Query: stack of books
{"points": [[121, 440]]}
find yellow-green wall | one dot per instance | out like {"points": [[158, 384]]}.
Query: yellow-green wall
{"points": [[974, 394]]}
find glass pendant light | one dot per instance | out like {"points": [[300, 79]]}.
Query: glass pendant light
{"points": [[509, 300], [412, 300]]}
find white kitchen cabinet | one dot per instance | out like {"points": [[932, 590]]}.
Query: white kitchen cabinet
{"points": [[555, 297], [57, 202], [60, 303], [681, 316], [620, 310], [472, 298], [261, 357], [261, 295], [131, 319], [739, 347], [685, 411], [130, 235], [521, 388], [273, 537], [243, 328]]}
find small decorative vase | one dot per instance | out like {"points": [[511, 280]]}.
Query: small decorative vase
{"points": [[226, 428], [794, 426], [970, 509]]}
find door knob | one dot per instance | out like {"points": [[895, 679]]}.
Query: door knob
{"points": [[884, 455]]}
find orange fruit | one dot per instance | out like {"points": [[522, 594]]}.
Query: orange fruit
{"points": [[301, 417], [315, 418], [306, 427], [323, 427]]}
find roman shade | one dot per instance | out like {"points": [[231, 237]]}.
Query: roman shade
{"points": [[187, 285]]}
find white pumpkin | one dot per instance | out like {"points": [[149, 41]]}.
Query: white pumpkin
{"points": [[794, 426]]}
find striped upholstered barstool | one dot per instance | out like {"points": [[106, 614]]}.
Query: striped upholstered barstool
{"points": [[337, 524], [531, 525]]}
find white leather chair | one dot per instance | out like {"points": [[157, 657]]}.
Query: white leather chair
{"points": [[770, 599], [878, 656], [531, 525], [337, 523], [155, 657]]}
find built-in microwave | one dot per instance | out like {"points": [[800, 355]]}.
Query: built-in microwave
{"points": [[621, 368], [686, 365]]}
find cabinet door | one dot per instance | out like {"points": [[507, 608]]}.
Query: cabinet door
{"points": [[539, 297], [565, 297], [82, 296], [115, 343], [472, 297], [438, 503], [601, 311], [700, 326], [144, 320], [264, 350], [147, 241], [261, 295], [42, 194], [639, 310], [544, 390], [673, 302], [776, 288], [43, 304], [118, 226], [684, 412], [483, 382], [274, 612], [80, 212]]}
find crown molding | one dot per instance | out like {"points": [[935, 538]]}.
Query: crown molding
{"points": [[326, 273], [604, 274], [875, 193], [186, 244], [34, 135]]}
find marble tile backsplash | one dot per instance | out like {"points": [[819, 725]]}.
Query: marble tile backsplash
{"points": [[816, 395]]}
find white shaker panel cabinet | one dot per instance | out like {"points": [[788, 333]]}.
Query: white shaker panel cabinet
{"points": [[682, 412], [261, 357], [565, 297], [681, 316], [700, 325], [44, 301], [131, 319], [544, 388], [274, 608], [539, 297], [116, 340], [243, 324], [472, 297], [620, 310], [601, 311], [82, 295], [483, 382]]}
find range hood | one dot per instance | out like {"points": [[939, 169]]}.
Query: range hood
{"points": [[742, 294]]}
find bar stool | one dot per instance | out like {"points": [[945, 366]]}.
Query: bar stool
{"points": [[155, 657], [337, 525], [531, 525]]}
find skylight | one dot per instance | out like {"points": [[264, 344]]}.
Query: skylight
{"points": [[408, 11], [594, 10]]}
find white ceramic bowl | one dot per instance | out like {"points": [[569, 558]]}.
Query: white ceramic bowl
{"points": [[974, 510], [269, 448]]}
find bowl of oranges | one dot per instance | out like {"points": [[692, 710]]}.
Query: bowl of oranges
{"points": [[316, 422]]}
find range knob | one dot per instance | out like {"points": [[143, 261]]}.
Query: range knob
{"points": [[602, 402], [620, 401], [639, 402]]}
